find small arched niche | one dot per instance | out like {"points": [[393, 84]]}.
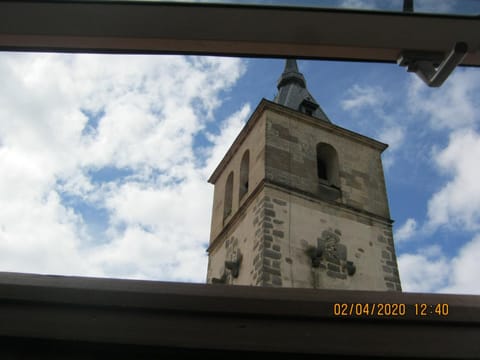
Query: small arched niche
{"points": [[244, 174], [227, 207], [327, 165]]}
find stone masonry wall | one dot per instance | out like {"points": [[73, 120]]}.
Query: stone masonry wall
{"points": [[255, 144], [291, 161], [295, 231], [279, 237], [267, 243], [322, 246]]}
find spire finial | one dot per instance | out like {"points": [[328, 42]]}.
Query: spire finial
{"points": [[291, 65], [293, 93]]}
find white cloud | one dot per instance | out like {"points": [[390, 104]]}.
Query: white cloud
{"points": [[454, 105], [369, 105], [406, 231], [363, 96], [429, 270], [368, 4], [451, 109], [64, 116], [464, 276], [42, 236], [457, 203], [394, 136], [432, 251], [358, 4], [222, 142], [433, 6], [420, 273]]}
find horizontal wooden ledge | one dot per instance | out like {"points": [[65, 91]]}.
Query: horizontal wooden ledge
{"points": [[149, 27], [233, 318], [221, 299]]}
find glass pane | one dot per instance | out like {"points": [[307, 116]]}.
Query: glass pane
{"points": [[105, 160], [445, 7]]}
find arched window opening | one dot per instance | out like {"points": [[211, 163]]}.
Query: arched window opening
{"points": [[244, 174], [321, 169], [327, 164], [227, 209]]}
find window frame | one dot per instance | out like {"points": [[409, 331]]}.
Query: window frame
{"points": [[232, 30]]}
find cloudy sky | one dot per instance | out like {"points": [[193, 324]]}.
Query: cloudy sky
{"points": [[104, 160], [465, 7]]}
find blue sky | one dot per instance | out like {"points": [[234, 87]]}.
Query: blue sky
{"points": [[458, 7], [105, 160]]}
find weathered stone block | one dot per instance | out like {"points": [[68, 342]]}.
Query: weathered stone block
{"points": [[271, 254], [284, 133], [333, 267], [332, 259], [277, 280], [392, 278], [269, 212], [278, 233], [336, 275], [279, 202], [271, 270], [341, 252]]}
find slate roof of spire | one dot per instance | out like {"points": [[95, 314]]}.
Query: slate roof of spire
{"points": [[293, 93]]}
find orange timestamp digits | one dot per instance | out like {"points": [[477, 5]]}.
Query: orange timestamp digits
{"points": [[369, 309], [390, 309]]}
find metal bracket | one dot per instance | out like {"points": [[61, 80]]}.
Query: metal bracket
{"points": [[433, 67]]}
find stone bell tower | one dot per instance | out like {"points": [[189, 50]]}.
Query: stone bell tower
{"points": [[301, 202]]}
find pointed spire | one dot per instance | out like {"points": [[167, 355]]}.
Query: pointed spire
{"points": [[291, 74], [293, 93]]}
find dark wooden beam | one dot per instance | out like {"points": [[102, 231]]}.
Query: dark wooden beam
{"points": [[267, 31], [165, 315]]}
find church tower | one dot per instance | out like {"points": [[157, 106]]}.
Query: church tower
{"points": [[301, 202]]}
